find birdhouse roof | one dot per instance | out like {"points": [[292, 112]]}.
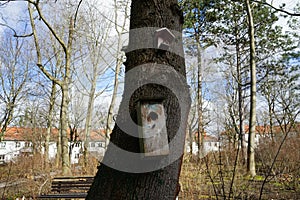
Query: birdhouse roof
{"points": [[165, 34]]}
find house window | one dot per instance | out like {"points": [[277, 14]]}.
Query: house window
{"points": [[100, 144], [27, 144], [77, 144], [92, 144], [18, 144], [2, 157], [77, 155], [2, 144]]}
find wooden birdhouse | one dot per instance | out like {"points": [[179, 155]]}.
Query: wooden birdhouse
{"points": [[152, 129], [163, 38]]}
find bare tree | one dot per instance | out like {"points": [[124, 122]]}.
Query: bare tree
{"points": [[95, 47], [13, 76], [284, 94], [66, 48]]}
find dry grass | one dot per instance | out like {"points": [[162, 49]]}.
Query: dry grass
{"points": [[208, 178], [212, 177]]}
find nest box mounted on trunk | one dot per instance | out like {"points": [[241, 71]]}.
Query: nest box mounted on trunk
{"points": [[163, 38], [153, 130]]}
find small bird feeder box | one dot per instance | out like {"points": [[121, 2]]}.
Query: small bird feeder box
{"points": [[163, 38], [153, 130]]}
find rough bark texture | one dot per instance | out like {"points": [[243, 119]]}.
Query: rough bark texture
{"points": [[162, 183]]}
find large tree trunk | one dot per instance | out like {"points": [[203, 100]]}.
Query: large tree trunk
{"points": [[124, 172]]}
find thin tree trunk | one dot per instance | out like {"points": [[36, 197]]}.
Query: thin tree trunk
{"points": [[252, 125], [112, 103], [117, 72], [49, 124], [124, 173], [240, 103], [191, 139], [88, 121], [201, 133], [66, 168], [6, 121], [270, 109], [65, 84]]}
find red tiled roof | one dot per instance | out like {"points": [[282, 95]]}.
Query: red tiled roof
{"points": [[207, 137], [266, 129], [18, 133], [30, 134]]}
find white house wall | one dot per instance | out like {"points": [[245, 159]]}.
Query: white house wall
{"points": [[208, 146], [256, 139], [10, 150]]}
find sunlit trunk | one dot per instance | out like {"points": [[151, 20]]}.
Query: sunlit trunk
{"points": [[252, 122]]}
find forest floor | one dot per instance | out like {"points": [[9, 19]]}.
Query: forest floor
{"points": [[206, 179]]}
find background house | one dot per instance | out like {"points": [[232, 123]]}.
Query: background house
{"points": [[210, 144], [262, 134], [11, 149], [24, 141]]}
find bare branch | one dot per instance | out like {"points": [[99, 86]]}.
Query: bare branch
{"points": [[15, 32], [60, 41], [38, 50], [76, 13], [277, 9]]}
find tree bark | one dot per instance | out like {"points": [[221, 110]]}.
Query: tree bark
{"points": [[240, 100], [252, 121], [201, 133], [49, 124], [124, 172], [88, 122], [66, 168], [113, 102]]}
